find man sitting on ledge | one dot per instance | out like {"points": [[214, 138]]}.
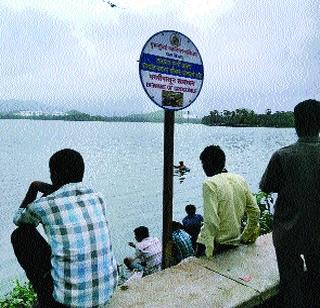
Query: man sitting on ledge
{"points": [[76, 267], [227, 198]]}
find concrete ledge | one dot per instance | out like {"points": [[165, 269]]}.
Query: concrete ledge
{"points": [[243, 277]]}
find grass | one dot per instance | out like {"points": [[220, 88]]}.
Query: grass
{"points": [[21, 296]]}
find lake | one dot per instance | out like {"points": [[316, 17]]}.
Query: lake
{"points": [[124, 162]]}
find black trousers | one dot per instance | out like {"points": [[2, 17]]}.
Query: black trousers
{"points": [[299, 288], [219, 248], [33, 254]]}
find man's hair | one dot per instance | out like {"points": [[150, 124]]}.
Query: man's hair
{"points": [[141, 232], [307, 118], [190, 209], [214, 157], [68, 165], [176, 226]]}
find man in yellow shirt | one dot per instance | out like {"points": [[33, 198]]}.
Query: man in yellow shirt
{"points": [[226, 198]]}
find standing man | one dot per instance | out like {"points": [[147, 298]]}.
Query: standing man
{"points": [[76, 266], [226, 198], [294, 173]]}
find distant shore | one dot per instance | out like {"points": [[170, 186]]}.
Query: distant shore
{"points": [[237, 118]]}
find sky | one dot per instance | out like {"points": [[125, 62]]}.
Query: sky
{"points": [[82, 55]]}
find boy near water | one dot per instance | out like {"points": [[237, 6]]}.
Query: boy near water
{"points": [[192, 223], [148, 254]]}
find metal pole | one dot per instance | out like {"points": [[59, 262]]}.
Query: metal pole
{"points": [[167, 188]]}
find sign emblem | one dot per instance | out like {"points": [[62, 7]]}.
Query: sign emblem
{"points": [[175, 40]]}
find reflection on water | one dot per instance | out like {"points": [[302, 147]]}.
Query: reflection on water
{"points": [[124, 161], [180, 173]]}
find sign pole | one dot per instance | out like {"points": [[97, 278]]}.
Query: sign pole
{"points": [[167, 188], [171, 73]]}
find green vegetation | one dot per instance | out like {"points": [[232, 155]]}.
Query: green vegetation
{"points": [[247, 117], [239, 117], [21, 296], [69, 116], [264, 202], [74, 115]]}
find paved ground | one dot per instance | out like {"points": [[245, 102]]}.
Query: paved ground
{"points": [[242, 277]]}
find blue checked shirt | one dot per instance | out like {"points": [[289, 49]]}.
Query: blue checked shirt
{"points": [[74, 218], [183, 244]]}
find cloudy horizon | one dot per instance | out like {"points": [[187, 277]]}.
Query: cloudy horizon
{"points": [[83, 54]]}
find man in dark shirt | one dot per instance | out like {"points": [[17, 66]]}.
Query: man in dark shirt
{"points": [[294, 173], [192, 223]]}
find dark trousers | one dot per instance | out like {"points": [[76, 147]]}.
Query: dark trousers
{"points": [[33, 254], [299, 288], [218, 248]]}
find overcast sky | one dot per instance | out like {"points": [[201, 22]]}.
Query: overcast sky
{"points": [[83, 55]]}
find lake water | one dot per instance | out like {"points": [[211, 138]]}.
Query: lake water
{"points": [[124, 162]]}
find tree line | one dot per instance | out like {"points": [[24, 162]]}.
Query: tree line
{"points": [[247, 117], [238, 117], [74, 115]]}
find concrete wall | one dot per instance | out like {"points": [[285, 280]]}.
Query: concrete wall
{"points": [[242, 277]]}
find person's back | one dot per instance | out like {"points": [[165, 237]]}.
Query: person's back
{"points": [[148, 254], [192, 223], [297, 209], [294, 173], [149, 250], [226, 197], [75, 267], [192, 220], [182, 242], [74, 218], [232, 196]]}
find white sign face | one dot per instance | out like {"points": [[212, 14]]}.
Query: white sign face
{"points": [[171, 70]]}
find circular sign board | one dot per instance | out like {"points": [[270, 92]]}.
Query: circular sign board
{"points": [[171, 70]]}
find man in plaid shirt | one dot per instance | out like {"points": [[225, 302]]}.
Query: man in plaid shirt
{"points": [[76, 267], [182, 247]]}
